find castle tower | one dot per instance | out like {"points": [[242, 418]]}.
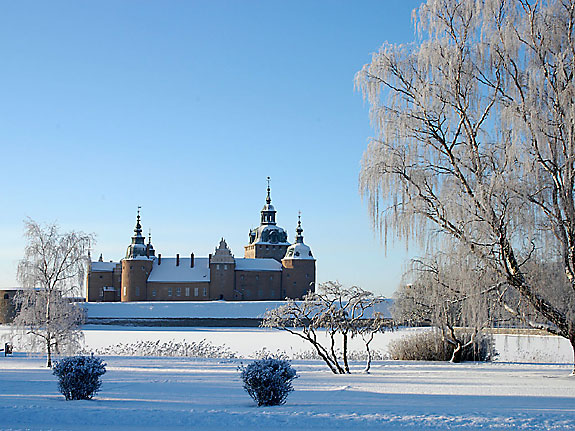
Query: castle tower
{"points": [[222, 273], [136, 267], [298, 275], [268, 240]]}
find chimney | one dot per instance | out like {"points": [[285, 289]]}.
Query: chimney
{"points": [[160, 259], [209, 258], [192, 260], [178, 259]]}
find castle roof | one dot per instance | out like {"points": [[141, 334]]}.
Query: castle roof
{"points": [[103, 266], [168, 272], [243, 264]]}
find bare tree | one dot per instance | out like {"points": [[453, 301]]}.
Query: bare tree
{"points": [[476, 141], [335, 311], [51, 272]]}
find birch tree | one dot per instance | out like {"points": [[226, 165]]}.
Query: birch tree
{"points": [[475, 141], [51, 272]]}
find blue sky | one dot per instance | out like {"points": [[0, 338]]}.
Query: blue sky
{"points": [[184, 108]]}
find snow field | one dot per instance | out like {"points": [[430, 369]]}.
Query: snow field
{"points": [[185, 394], [151, 393]]}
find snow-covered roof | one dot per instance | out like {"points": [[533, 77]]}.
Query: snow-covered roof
{"points": [[258, 265], [103, 266], [270, 234], [299, 251], [168, 272]]}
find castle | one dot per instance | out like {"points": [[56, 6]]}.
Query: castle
{"points": [[272, 269]]}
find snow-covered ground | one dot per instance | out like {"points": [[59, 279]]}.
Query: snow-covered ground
{"points": [[187, 394], [139, 393]]}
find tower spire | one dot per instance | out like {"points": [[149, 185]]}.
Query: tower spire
{"points": [[138, 228], [137, 248], [268, 198], [299, 229]]}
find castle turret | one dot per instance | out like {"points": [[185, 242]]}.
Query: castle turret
{"points": [[298, 275], [268, 240], [136, 267]]}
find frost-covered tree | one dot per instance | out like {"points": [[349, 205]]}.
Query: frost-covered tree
{"points": [[454, 294], [332, 312], [475, 140], [51, 272]]}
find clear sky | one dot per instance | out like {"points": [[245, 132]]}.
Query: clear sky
{"points": [[184, 108]]}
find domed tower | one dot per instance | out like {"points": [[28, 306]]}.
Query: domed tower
{"points": [[268, 240], [298, 275], [150, 252], [136, 267]]}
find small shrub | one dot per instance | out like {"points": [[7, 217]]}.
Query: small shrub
{"points": [[79, 376], [430, 346], [268, 381]]}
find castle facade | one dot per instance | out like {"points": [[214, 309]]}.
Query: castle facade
{"points": [[272, 269]]}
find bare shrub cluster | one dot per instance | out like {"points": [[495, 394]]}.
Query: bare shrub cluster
{"points": [[432, 346], [172, 348]]}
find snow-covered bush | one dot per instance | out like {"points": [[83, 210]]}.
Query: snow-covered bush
{"points": [[268, 381], [79, 376], [430, 346]]}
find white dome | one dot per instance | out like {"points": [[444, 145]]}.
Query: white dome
{"points": [[299, 251]]}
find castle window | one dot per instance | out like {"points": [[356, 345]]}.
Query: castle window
{"points": [[153, 292], [261, 293], [287, 275], [138, 291], [205, 291], [125, 290], [179, 291], [196, 291], [272, 293], [131, 267], [225, 267], [143, 268], [271, 277], [307, 276], [101, 291], [187, 291], [218, 266], [242, 277], [101, 277], [169, 291], [257, 277]]}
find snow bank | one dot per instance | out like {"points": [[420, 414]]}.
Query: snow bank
{"points": [[190, 309]]}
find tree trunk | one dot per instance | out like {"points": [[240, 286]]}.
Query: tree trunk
{"points": [[334, 355], [49, 351], [572, 340], [368, 361], [457, 353], [345, 363]]}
